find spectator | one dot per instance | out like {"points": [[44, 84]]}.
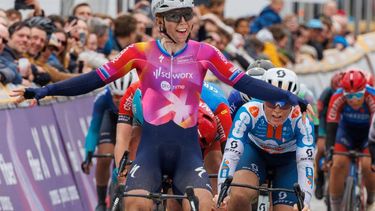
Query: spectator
{"points": [[279, 34], [59, 58], [329, 9], [82, 11], [43, 66], [241, 26], [18, 43], [315, 28], [100, 28], [38, 40], [8, 70], [3, 18], [58, 21], [213, 6], [291, 24], [125, 32], [144, 26], [19, 37], [268, 16], [13, 16]]}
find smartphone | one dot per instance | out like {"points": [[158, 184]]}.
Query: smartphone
{"points": [[82, 38], [149, 30], [23, 66]]}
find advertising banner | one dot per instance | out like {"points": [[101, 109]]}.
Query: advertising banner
{"points": [[34, 171], [73, 118]]}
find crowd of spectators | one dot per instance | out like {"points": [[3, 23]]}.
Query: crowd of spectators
{"points": [[45, 48]]}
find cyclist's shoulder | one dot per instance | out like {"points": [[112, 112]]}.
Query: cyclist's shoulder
{"points": [[254, 108], [370, 90]]}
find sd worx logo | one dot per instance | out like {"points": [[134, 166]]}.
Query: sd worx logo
{"points": [[159, 74]]}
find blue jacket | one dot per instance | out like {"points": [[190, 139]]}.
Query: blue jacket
{"points": [[266, 18]]}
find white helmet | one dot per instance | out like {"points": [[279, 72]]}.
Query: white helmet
{"points": [[160, 6], [283, 78], [119, 86]]}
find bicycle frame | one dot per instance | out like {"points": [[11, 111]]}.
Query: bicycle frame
{"points": [[355, 202]]}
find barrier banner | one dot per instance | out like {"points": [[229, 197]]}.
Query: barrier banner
{"points": [[73, 118], [34, 171]]}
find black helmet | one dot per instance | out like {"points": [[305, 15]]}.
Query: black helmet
{"points": [[41, 22]]}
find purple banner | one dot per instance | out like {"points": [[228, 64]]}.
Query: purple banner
{"points": [[35, 173], [73, 118]]}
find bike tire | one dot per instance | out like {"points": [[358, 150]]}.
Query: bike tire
{"points": [[348, 200]]}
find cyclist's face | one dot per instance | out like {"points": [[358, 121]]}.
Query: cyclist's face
{"points": [[355, 100], [276, 114], [178, 23]]}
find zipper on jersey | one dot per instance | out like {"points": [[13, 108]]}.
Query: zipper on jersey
{"points": [[171, 88]]}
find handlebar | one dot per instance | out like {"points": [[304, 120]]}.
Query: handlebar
{"points": [[190, 196], [228, 182]]}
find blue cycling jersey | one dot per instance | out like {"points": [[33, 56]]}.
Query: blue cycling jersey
{"points": [[213, 95], [235, 102], [102, 103], [250, 126]]}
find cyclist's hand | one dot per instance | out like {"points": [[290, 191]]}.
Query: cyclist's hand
{"points": [[305, 208], [309, 111], [122, 176], [86, 166], [19, 94], [223, 205]]}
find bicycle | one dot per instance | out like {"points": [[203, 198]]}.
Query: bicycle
{"points": [[228, 182], [354, 192]]}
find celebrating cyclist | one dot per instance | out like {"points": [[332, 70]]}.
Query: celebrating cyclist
{"points": [[348, 122], [270, 135], [171, 72], [102, 133]]}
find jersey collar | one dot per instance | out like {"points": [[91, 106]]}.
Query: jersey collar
{"points": [[162, 49]]}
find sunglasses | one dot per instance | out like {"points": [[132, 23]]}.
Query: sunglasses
{"points": [[280, 104], [176, 16], [357, 95]]}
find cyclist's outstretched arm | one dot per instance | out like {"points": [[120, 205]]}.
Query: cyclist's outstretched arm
{"points": [[229, 74], [305, 154], [87, 82]]}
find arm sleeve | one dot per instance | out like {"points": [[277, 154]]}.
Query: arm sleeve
{"points": [[264, 91], [305, 154], [107, 73], [81, 84], [234, 147], [214, 60]]}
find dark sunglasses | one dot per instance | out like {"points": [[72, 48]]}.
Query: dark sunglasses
{"points": [[176, 16], [62, 42], [281, 105]]}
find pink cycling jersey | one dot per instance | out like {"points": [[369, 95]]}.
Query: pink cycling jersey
{"points": [[170, 85]]}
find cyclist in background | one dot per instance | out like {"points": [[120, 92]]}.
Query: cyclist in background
{"points": [[256, 70], [214, 96], [270, 135], [171, 71], [102, 133], [348, 122], [323, 103]]}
